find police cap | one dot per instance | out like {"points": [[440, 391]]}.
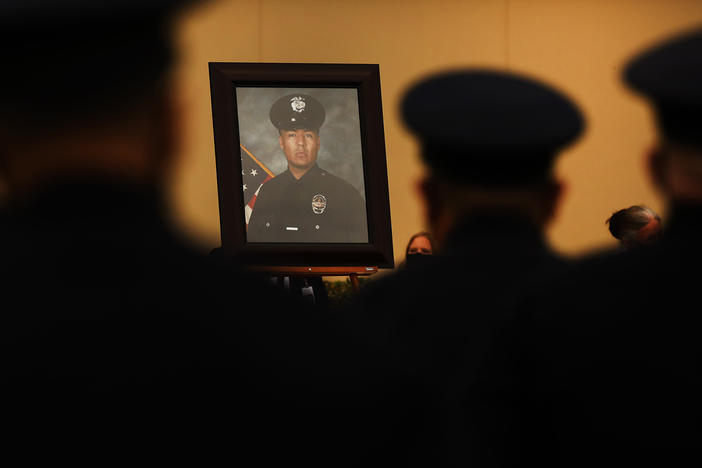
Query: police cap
{"points": [[489, 127], [64, 56], [295, 111], [669, 74]]}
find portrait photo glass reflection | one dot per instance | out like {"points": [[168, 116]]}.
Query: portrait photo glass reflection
{"points": [[302, 165]]}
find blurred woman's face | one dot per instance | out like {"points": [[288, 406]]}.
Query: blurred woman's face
{"points": [[420, 245]]}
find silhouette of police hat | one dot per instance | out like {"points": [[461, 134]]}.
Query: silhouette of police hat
{"points": [[295, 111], [490, 127], [669, 74], [66, 54]]}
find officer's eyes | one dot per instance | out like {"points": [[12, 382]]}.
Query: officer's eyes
{"points": [[308, 135]]}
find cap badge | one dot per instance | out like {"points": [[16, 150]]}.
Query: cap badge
{"points": [[319, 204], [297, 103]]}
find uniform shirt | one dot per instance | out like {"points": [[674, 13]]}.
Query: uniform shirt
{"points": [[439, 318], [318, 207], [113, 323], [600, 365]]}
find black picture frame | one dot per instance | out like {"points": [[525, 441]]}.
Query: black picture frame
{"points": [[225, 78]]}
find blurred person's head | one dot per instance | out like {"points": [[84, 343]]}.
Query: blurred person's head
{"points": [[635, 226], [668, 74], [420, 243], [86, 91], [489, 140], [419, 247]]}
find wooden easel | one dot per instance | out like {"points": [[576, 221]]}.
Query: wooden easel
{"points": [[352, 272]]}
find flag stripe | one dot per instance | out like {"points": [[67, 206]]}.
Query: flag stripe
{"points": [[253, 174], [257, 161]]}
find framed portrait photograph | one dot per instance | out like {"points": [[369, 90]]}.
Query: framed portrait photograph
{"points": [[301, 164]]}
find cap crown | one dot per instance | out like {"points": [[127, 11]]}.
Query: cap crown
{"points": [[490, 125], [295, 111], [670, 75]]}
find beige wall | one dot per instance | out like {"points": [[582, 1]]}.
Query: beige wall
{"points": [[578, 45]]}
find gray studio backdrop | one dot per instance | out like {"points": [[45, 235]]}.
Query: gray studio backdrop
{"points": [[340, 135]]}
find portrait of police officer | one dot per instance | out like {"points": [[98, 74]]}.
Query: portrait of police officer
{"points": [[305, 203]]}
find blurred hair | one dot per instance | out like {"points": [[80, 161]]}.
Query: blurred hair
{"points": [[625, 224]]}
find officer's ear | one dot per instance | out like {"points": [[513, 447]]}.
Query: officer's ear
{"points": [[162, 130], [553, 193], [427, 188], [4, 135], [438, 218], [280, 139], [656, 163]]}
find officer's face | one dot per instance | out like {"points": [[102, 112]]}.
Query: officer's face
{"points": [[300, 147]]}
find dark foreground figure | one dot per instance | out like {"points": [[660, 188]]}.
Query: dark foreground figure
{"points": [[601, 366], [489, 193], [120, 342]]}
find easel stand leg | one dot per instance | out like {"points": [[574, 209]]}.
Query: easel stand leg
{"points": [[354, 281]]}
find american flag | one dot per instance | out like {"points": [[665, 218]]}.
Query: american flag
{"points": [[253, 175]]}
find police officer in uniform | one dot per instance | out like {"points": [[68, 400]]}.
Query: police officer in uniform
{"points": [[305, 203], [119, 339], [489, 139], [601, 366]]}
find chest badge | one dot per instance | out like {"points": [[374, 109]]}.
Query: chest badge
{"points": [[319, 204]]}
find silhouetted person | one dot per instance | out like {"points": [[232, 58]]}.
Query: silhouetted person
{"points": [[635, 226], [489, 139], [121, 341], [602, 365]]}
